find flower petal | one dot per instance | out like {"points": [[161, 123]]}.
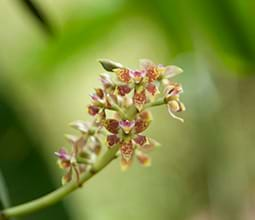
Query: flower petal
{"points": [[152, 71], [77, 142], [82, 126], [149, 145], [152, 90], [127, 150], [95, 145], [112, 125], [140, 140], [123, 74], [62, 154], [125, 164], [123, 90], [112, 140], [93, 110], [100, 117], [173, 89], [139, 99], [143, 159], [171, 71], [106, 80], [146, 63], [176, 106], [67, 177], [172, 107], [142, 122], [152, 74]]}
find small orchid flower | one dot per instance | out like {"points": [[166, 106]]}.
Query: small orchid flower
{"points": [[67, 162], [127, 134], [172, 94], [152, 71]]}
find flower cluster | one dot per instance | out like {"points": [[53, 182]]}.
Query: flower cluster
{"points": [[120, 111], [85, 150]]}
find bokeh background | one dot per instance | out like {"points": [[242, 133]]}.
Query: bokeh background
{"points": [[205, 168]]}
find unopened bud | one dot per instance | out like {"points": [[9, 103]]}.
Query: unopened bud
{"points": [[109, 65]]}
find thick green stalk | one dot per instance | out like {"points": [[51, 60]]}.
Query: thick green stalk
{"points": [[60, 193]]}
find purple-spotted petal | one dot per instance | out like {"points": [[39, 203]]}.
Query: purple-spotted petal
{"points": [[140, 140], [123, 74], [93, 110], [112, 125], [112, 140], [123, 90], [152, 89], [139, 99], [127, 150], [142, 122]]}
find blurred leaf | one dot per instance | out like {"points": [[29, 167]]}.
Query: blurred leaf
{"points": [[170, 17], [216, 25], [4, 197], [22, 162], [37, 14], [78, 35]]}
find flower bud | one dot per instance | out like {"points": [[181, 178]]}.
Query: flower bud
{"points": [[93, 110], [106, 80], [109, 65]]}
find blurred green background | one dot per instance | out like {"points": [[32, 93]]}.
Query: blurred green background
{"points": [[205, 168]]}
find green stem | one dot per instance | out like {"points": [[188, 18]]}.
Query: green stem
{"points": [[60, 193], [159, 101]]}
